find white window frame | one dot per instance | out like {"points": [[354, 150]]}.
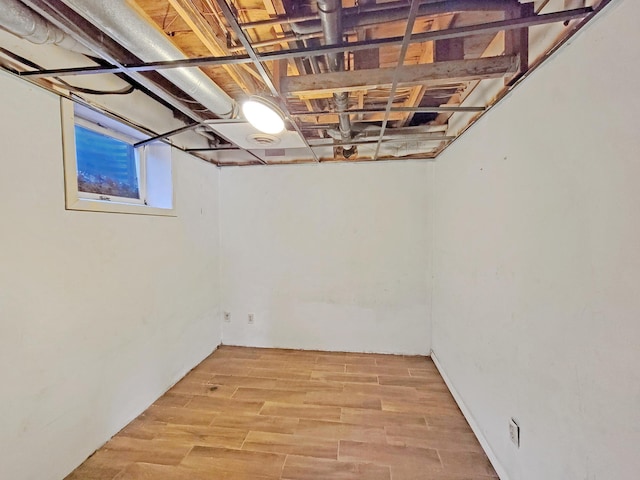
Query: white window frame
{"points": [[76, 200], [140, 154]]}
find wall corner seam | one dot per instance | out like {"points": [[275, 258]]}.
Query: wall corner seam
{"points": [[484, 443]]}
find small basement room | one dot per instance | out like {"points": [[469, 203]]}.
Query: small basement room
{"points": [[298, 240]]}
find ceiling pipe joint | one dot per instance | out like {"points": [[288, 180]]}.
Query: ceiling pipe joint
{"points": [[331, 20]]}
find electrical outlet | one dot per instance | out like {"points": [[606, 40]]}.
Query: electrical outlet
{"points": [[514, 432], [251, 318], [227, 317]]}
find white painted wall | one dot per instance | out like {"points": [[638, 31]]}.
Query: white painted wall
{"points": [[99, 313], [537, 262], [329, 257]]}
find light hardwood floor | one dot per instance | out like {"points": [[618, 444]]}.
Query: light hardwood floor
{"points": [[263, 414]]}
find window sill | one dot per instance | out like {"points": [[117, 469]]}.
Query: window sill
{"points": [[89, 205]]}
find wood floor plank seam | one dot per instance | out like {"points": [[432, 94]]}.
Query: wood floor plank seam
{"points": [[244, 440], [274, 414], [439, 456]]}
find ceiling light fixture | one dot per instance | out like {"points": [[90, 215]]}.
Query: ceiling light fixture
{"points": [[263, 114]]}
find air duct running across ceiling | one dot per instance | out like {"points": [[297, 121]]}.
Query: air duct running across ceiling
{"points": [[133, 31], [20, 20]]}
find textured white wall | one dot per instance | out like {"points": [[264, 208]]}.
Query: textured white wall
{"points": [[330, 257], [537, 262], [99, 313]]}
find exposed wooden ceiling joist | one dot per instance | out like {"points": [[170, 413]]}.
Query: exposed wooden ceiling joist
{"points": [[487, 28], [431, 69], [456, 71], [210, 39]]}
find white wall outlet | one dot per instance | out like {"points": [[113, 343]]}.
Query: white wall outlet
{"points": [[251, 319], [227, 317], [514, 432]]}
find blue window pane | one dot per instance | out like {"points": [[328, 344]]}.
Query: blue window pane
{"points": [[106, 165]]}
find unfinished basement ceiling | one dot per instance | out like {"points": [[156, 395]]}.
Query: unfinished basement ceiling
{"points": [[357, 81]]}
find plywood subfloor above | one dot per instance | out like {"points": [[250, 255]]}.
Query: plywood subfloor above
{"points": [[248, 413]]}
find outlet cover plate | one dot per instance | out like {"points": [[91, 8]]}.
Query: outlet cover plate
{"points": [[251, 318], [227, 317]]}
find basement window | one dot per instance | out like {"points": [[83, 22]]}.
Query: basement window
{"points": [[108, 166], [104, 169]]}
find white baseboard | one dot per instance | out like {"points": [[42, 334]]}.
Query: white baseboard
{"points": [[472, 423]]}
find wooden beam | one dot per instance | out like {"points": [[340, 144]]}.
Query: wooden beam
{"points": [[449, 49], [278, 71], [429, 74], [516, 42], [366, 59], [204, 31], [417, 92], [427, 56], [274, 8], [361, 95], [332, 118], [495, 47], [485, 28]]}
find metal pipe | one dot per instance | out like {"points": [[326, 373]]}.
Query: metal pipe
{"points": [[413, 14], [276, 41], [331, 20], [121, 22], [362, 17], [91, 37], [278, 20], [357, 10], [268, 81], [21, 21], [432, 35]]}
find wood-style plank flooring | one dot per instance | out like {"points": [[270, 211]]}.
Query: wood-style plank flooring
{"points": [[264, 414]]}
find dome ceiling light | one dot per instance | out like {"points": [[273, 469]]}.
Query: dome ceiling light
{"points": [[263, 114]]}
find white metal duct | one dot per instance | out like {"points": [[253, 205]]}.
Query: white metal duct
{"points": [[129, 28], [20, 20]]}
